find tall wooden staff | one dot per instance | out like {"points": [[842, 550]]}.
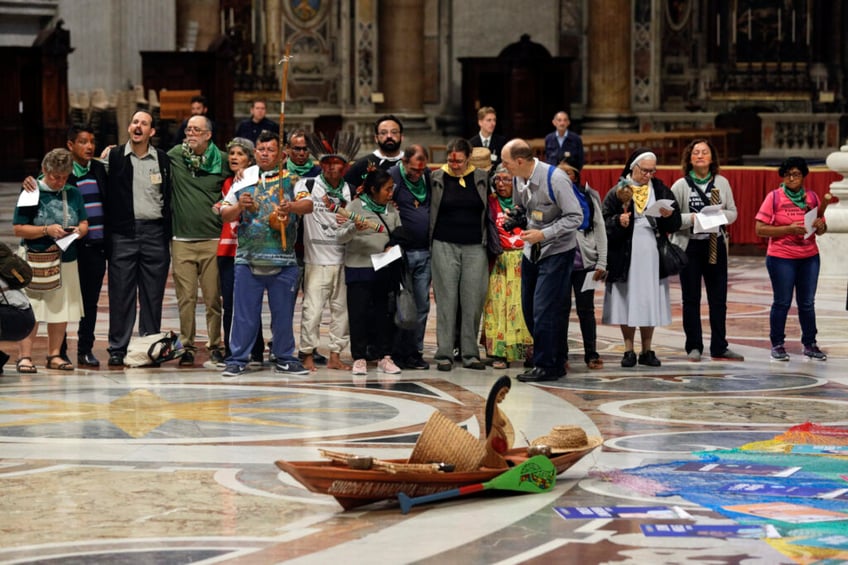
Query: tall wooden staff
{"points": [[283, 85]]}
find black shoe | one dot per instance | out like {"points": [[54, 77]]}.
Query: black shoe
{"points": [[187, 359], [538, 374], [649, 358], [87, 360], [116, 359], [444, 365], [629, 359], [415, 363], [3, 358], [216, 356], [476, 364]]}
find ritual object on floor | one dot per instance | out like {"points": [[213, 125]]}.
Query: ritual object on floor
{"points": [[537, 474]]}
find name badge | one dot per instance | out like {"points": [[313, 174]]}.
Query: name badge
{"points": [[156, 177], [536, 215]]}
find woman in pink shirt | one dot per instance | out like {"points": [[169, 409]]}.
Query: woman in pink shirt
{"points": [[792, 258]]}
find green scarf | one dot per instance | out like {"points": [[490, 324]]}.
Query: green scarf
{"points": [[799, 198], [210, 162], [80, 171], [371, 205], [299, 170], [699, 180], [418, 188], [334, 191], [506, 203]]}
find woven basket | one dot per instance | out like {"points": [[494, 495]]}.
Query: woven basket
{"points": [[442, 441]]}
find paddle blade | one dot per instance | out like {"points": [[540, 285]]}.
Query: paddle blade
{"points": [[537, 474]]}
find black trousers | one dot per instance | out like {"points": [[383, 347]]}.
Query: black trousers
{"points": [[138, 271]]}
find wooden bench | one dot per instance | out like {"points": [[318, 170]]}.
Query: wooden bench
{"points": [[176, 104]]}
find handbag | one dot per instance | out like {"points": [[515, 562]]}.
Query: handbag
{"points": [[672, 258], [153, 349], [46, 268]]}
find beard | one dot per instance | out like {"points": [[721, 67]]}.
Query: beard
{"points": [[388, 146]]}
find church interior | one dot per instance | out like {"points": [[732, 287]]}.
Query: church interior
{"points": [[714, 462]]}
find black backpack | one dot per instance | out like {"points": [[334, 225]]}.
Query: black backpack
{"points": [[15, 271]]}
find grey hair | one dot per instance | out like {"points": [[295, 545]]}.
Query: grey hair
{"points": [[58, 161]]}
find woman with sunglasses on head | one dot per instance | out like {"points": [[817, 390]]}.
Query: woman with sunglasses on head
{"points": [[636, 295], [792, 257]]}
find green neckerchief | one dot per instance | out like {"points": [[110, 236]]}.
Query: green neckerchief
{"points": [[799, 198], [699, 180], [334, 191], [371, 205], [210, 162], [299, 170], [418, 188], [506, 203], [80, 171]]}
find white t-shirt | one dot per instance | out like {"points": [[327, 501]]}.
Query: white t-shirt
{"points": [[319, 228]]}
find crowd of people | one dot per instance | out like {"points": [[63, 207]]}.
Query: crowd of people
{"points": [[504, 239]]}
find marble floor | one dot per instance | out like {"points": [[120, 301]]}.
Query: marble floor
{"points": [[176, 465]]}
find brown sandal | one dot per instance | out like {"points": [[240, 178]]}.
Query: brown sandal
{"points": [[25, 369], [596, 363], [61, 366]]}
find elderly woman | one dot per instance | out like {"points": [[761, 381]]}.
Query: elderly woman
{"points": [[636, 296], [368, 227], [60, 212], [240, 155], [460, 274], [507, 336], [792, 257], [589, 261], [701, 186]]}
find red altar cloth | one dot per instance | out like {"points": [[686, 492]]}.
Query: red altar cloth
{"points": [[750, 186]]}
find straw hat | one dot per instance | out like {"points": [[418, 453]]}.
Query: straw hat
{"points": [[442, 441], [481, 158], [565, 439]]}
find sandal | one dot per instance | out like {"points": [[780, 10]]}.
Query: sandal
{"points": [[62, 366], [500, 364], [595, 363], [29, 368]]}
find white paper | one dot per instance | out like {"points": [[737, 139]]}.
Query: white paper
{"points": [[27, 198], [380, 260], [809, 218], [709, 219], [66, 241], [589, 283], [250, 176], [654, 209]]}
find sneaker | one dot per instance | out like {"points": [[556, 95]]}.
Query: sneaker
{"points": [[360, 367], [812, 351], [290, 368], [386, 365], [728, 355], [649, 358], [415, 363], [216, 356], [778, 353], [629, 359], [233, 370], [694, 356]]}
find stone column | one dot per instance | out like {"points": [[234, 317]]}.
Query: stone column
{"points": [[609, 47], [401, 55], [207, 14], [833, 245]]}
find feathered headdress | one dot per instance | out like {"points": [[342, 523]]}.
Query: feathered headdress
{"points": [[345, 146]]}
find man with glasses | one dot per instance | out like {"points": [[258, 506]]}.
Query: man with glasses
{"points": [[388, 133], [198, 173], [299, 163]]}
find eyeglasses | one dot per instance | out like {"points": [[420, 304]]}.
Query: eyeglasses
{"points": [[300, 149], [794, 175], [502, 179], [192, 129], [648, 171]]}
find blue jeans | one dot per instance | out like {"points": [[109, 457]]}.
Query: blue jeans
{"points": [[802, 276], [247, 312], [544, 288], [419, 265]]}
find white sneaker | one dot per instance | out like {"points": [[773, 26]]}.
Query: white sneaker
{"points": [[360, 367], [386, 365]]}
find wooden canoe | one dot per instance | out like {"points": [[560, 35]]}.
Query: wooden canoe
{"points": [[356, 487]]}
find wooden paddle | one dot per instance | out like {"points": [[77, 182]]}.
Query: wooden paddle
{"points": [[537, 474]]}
